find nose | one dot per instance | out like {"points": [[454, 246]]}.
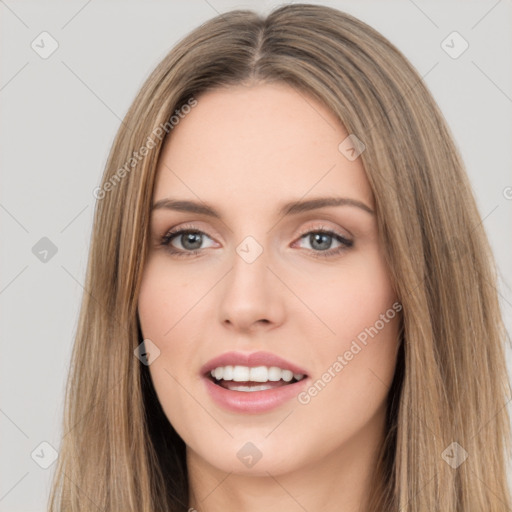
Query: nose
{"points": [[251, 294]]}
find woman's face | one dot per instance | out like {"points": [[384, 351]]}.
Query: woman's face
{"points": [[259, 277]]}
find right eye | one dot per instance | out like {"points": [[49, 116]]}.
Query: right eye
{"points": [[190, 240]]}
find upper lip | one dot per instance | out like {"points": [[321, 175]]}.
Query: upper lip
{"points": [[250, 359]]}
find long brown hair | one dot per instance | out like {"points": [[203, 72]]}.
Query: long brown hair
{"points": [[118, 450]]}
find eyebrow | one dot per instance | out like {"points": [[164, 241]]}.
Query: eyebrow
{"points": [[289, 208]]}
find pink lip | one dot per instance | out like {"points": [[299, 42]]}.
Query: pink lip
{"points": [[252, 401], [251, 360]]}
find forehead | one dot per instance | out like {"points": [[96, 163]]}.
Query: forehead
{"points": [[256, 144]]}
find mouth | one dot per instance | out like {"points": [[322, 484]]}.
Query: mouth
{"points": [[252, 383], [253, 389], [251, 379]]}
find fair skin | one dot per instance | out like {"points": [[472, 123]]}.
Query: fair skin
{"points": [[245, 151]]}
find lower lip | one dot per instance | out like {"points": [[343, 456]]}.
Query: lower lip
{"points": [[253, 401]]}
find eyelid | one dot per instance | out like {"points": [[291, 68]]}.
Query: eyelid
{"points": [[323, 227]]}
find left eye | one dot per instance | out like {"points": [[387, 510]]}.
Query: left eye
{"points": [[323, 240]]}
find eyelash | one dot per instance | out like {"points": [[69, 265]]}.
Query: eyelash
{"points": [[167, 238]]}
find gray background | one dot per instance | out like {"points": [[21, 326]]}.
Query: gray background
{"points": [[59, 117]]}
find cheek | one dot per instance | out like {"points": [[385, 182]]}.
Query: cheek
{"points": [[353, 376], [353, 296], [172, 303], [357, 373], [356, 361], [165, 297], [162, 309]]}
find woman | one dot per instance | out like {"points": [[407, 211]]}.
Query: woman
{"points": [[291, 301]]}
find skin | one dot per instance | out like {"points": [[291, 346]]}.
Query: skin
{"points": [[245, 150]]}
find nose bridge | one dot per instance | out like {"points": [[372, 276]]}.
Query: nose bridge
{"points": [[247, 295], [250, 266], [250, 249]]}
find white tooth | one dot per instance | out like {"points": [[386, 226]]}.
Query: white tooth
{"points": [[258, 374], [261, 388], [240, 373], [274, 374], [287, 375], [250, 388], [228, 373]]}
